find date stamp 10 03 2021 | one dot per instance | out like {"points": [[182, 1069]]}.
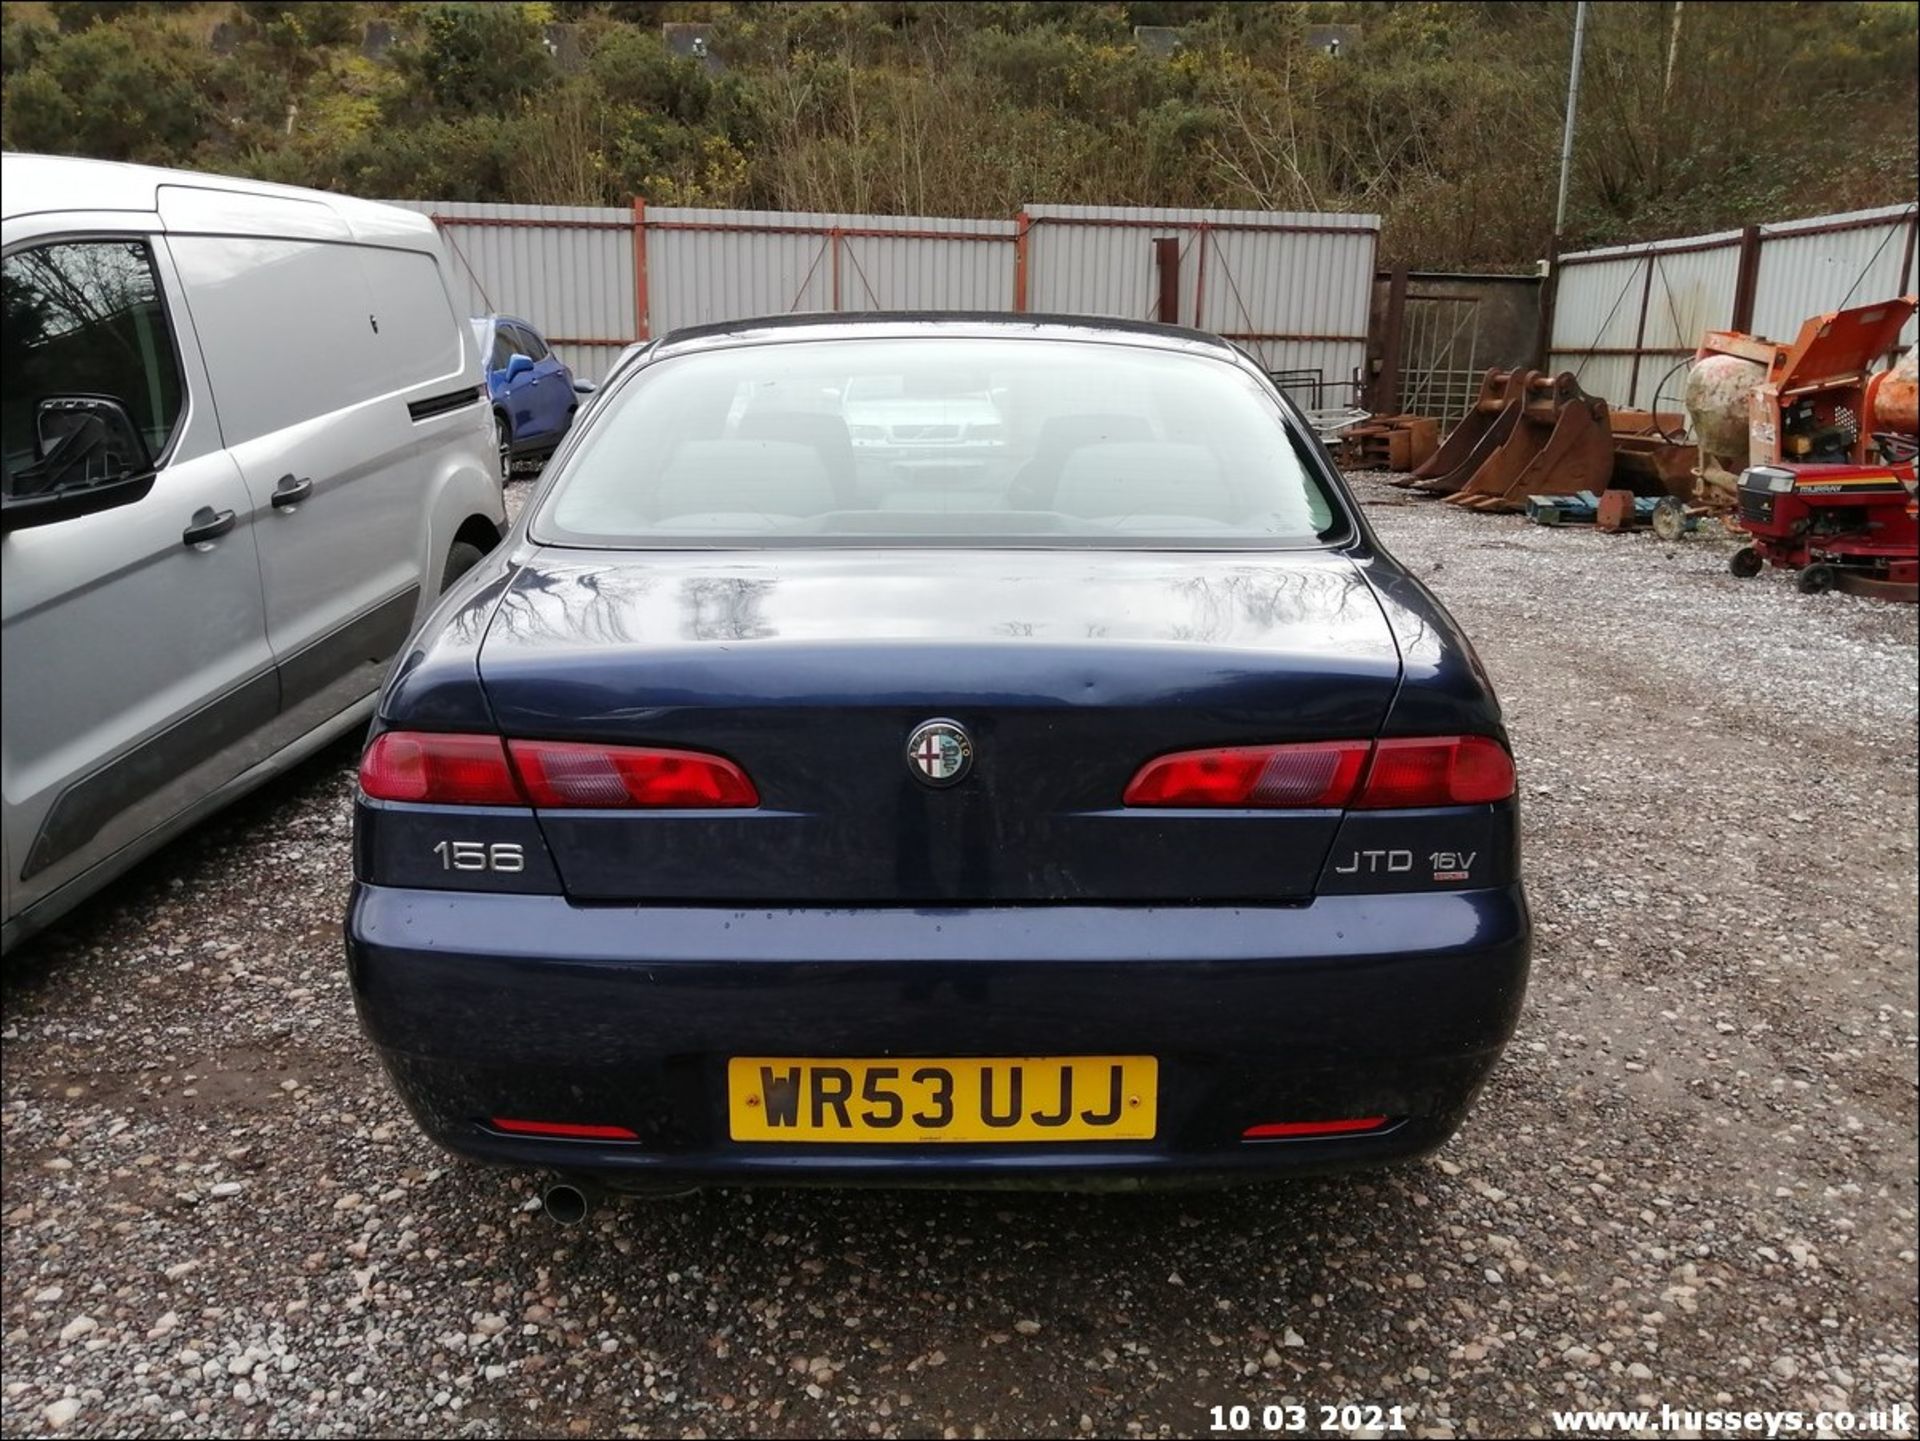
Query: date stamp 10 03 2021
{"points": [[1286, 1418]]}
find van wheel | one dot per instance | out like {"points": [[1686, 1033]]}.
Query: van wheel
{"points": [[503, 443], [462, 556]]}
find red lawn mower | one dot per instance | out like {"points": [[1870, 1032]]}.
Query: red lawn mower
{"points": [[1846, 525], [1832, 494]]}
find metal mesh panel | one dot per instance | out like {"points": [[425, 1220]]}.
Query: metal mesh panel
{"points": [[1442, 370]]}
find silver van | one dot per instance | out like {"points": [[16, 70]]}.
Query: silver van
{"points": [[245, 445]]}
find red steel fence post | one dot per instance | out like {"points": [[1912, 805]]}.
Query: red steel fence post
{"points": [[1024, 223], [640, 307]]}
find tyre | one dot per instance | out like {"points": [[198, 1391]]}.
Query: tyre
{"points": [[1816, 580], [1745, 562], [503, 445], [1670, 519], [462, 556]]}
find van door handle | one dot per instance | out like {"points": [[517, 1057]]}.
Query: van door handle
{"points": [[291, 492], [207, 524]]}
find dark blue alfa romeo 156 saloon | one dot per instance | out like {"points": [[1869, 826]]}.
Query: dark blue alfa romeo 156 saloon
{"points": [[938, 749]]}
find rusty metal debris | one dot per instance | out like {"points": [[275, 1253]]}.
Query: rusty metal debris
{"points": [[1647, 457], [1486, 426], [1559, 443]]}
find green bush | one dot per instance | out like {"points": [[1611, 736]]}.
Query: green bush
{"points": [[127, 90]]}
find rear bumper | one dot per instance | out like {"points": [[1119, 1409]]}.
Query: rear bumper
{"points": [[526, 1006]]}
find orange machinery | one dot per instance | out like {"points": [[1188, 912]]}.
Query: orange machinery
{"points": [[1818, 400]]}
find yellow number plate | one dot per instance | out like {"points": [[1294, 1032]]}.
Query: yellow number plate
{"points": [[919, 1099]]}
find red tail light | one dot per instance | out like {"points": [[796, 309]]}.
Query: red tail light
{"points": [[1437, 771], [563, 1130], [560, 774], [1382, 775], [1302, 1130], [470, 770], [448, 770], [1281, 777]]}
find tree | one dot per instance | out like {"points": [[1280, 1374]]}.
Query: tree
{"points": [[129, 90], [21, 41], [291, 41], [1444, 119], [76, 15], [477, 59]]}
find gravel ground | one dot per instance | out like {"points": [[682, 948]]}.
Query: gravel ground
{"points": [[1692, 1181]]}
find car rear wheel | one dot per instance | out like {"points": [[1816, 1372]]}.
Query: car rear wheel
{"points": [[503, 443], [462, 556]]}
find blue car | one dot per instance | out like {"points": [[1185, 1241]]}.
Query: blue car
{"points": [[533, 392], [1099, 805]]}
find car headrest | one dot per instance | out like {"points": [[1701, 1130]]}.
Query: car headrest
{"points": [[1060, 434], [826, 434], [1147, 478], [715, 477]]}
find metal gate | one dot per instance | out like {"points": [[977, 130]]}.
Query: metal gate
{"points": [[1440, 350]]}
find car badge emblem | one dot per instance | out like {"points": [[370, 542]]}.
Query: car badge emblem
{"points": [[940, 752]]}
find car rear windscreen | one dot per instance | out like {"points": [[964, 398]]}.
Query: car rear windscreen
{"points": [[938, 439]]}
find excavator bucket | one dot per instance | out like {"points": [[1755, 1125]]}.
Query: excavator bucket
{"points": [[1646, 460], [1561, 444], [1477, 436]]}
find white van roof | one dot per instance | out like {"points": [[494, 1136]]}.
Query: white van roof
{"points": [[35, 184]]}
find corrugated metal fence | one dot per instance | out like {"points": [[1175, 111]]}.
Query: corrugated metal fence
{"points": [[1293, 288], [570, 270], [706, 265], [1626, 319]]}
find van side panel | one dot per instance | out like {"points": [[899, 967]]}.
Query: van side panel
{"points": [[137, 672], [420, 339], [319, 343], [310, 403]]}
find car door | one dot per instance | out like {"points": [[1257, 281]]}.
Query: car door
{"points": [[499, 352], [137, 674], [552, 386], [519, 395], [319, 424]]}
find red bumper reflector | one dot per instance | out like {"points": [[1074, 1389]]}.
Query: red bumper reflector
{"points": [[1295, 1130], [564, 1130]]}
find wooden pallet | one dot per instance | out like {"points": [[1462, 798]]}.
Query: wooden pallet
{"points": [[1390, 442]]}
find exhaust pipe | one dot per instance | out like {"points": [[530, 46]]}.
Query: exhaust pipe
{"points": [[566, 1203]]}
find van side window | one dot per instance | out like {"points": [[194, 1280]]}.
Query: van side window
{"points": [[84, 317]]}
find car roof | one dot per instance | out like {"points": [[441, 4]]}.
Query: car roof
{"points": [[38, 184], [950, 324]]}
